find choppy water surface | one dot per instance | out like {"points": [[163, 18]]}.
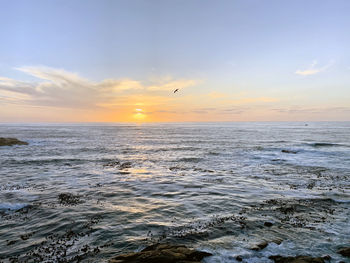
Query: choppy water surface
{"points": [[88, 192]]}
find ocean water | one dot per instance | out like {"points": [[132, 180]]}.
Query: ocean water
{"points": [[83, 193]]}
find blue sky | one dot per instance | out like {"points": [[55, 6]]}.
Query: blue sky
{"points": [[293, 55]]}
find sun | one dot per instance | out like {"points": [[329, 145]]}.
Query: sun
{"points": [[139, 114]]}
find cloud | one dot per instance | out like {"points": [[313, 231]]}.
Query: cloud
{"points": [[316, 110], [251, 100], [172, 85], [17, 86], [221, 111], [57, 76], [236, 110], [312, 69], [113, 85], [165, 111], [60, 88]]}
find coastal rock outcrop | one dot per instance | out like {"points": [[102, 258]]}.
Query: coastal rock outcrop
{"points": [[11, 141], [264, 244], [344, 252], [260, 246], [161, 253]]}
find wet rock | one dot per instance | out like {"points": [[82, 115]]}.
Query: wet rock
{"points": [[289, 151], [344, 252], [26, 236], [112, 164], [277, 241], [161, 253], [68, 199], [11, 242], [125, 165], [260, 246], [268, 224], [328, 257], [11, 141], [239, 258], [297, 259], [117, 164], [288, 209]]}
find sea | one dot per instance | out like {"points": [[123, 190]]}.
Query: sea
{"points": [[88, 192]]}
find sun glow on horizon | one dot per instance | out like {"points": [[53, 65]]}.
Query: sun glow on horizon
{"points": [[139, 115]]}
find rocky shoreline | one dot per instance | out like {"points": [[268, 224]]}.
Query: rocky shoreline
{"points": [[162, 253], [170, 253], [11, 142]]}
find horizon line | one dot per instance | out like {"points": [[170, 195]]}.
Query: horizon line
{"points": [[165, 122]]}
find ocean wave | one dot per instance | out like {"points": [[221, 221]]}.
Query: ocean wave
{"points": [[174, 149], [47, 161]]}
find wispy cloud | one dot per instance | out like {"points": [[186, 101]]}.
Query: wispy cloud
{"points": [[314, 68], [60, 88], [314, 110], [221, 110], [173, 84]]}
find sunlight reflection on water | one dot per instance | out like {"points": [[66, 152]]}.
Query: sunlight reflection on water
{"points": [[185, 183]]}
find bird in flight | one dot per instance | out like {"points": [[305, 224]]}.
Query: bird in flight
{"points": [[176, 90]]}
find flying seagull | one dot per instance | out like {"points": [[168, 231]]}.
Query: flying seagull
{"points": [[176, 90]]}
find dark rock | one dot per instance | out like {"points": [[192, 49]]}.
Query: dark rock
{"points": [[268, 224], [289, 151], [161, 253], [277, 241], [125, 165], [297, 259], [11, 242], [287, 209], [112, 164], [260, 246], [11, 141], [239, 258], [68, 199], [26, 236], [344, 252], [328, 257]]}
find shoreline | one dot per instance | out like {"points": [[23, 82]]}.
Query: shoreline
{"points": [[170, 253]]}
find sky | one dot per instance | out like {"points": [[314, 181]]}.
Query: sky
{"points": [[121, 60]]}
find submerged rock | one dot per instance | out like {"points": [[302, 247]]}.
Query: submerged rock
{"points": [[239, 258], [264, 244], [161, 253], [11, 141], [289, 151], [344, 252], [268, 224], [125, 165], [297, 259], [118, 164], [68, 199]]}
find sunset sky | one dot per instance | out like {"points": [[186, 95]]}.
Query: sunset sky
{"points": [[119, 61]]}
